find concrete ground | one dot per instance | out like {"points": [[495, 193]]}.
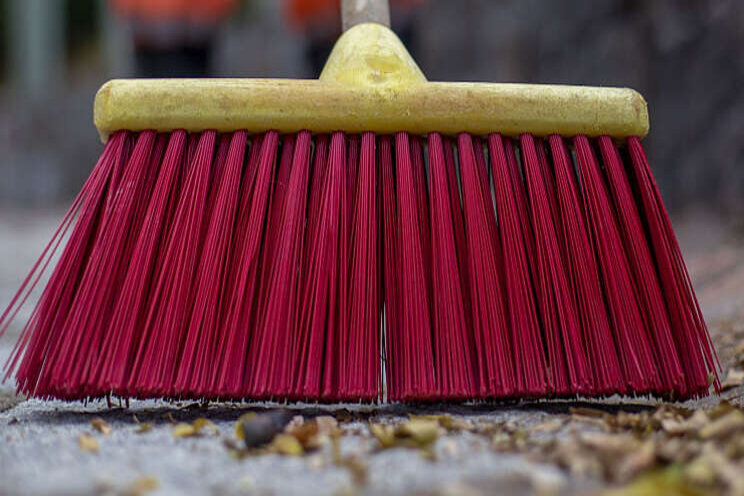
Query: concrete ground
{"points": [[45, 446]]}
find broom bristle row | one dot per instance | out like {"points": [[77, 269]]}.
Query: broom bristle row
{"points": [[363, 268]]}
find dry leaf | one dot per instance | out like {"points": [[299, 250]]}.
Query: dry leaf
{"points": [[445, 420], [202, 424], [549, 426], [636, 461], [723, 426], [667, 482], [326, 424], [286, 444], [422, 432], [385, 434], [735, 378], [609, 444], [142, 485], [691, 425], [101, 426], [143, 427], [310, 434], [357, 469], [184, 430], [88, 443]]}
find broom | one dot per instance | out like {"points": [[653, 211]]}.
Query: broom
{"points": [[369, 236]]}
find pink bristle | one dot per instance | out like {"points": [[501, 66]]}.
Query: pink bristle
{"points": [[390, 285], [520, 199], [323, 320], [352, 168], [636, 354], [61, 361], [196, 372], [690, 331], [318, 171], [124, 330], [566, 355], [276, 337], [458, 221], [642, 265], [360, 370], [238, 326], [492, 344], [337, 334], [121, 236], [454, 365], [236, 359], [583, 275], [416, 353], [494, 244], [276, 208], [548, 179], [157, 356], [29, 356], [531, 374], [454, 342], [422, 201]]}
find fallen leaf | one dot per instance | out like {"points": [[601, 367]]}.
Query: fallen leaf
{"points": [[326, 424], [735, 378], [676, 427], [101, 426], [202, 424], [636, 461], [308, 435], [723, 426], [609, 444], [184, 430], [357, 469], [669, 482], [422, 432], [142, 485], [286, 444], [88, 443], [143, 427], [385, 434], [446, 420], [549, 426]]}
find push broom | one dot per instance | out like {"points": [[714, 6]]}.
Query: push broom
{"points": [[368, 236]]}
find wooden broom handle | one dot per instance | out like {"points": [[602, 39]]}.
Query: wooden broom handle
{"points": [[355, 12]]}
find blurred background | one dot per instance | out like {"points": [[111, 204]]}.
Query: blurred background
{"points": [[685, 56]]}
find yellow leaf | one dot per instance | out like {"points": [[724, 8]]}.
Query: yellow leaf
{"points": [[88, 443], [385, 434], [101, 426], [287, 444], [184, 430], [143, 485], [143, 427], [669, 482], [201, 423], [423, 432]]}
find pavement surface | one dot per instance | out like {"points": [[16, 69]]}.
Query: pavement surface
{"points": [[44, 446]]}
